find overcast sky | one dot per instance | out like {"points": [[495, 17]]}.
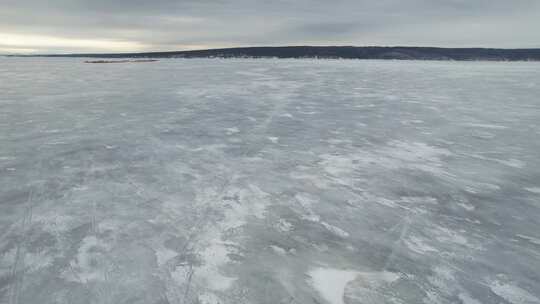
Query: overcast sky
{"points": [[60, 26]]}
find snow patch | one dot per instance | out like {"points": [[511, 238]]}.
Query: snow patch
{"points": [[273, 139], [513, 294], [284, 225], [418, 245], [330, 283], [530, 239], [278, 250], [231, 131], [164, 254], [535, 190], [467, 299], [335, 230], [209, 298]]}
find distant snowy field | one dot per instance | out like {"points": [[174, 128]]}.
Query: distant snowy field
{"points": [[269, 181]]}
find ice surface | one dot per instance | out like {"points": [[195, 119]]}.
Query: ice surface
{"points": [[269, 181]]}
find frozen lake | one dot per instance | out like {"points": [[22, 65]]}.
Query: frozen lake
{"points": [[269, 181]]}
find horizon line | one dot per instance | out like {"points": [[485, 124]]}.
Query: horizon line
{"points": [[264, 47]]}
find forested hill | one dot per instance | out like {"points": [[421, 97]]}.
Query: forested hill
{"points": [[346, 52]]}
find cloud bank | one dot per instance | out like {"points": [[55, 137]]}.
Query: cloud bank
{"points": [[63, 26]]}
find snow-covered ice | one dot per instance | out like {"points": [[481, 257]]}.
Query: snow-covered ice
{"points": [[269, 181]]}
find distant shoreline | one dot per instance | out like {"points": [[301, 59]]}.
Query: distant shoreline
{"points": [[331, 52]]}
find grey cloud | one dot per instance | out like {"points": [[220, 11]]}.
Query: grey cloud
{"points": [[166, 24]]}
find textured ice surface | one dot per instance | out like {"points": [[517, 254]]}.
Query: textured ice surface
{"points": [[269, 181]]}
